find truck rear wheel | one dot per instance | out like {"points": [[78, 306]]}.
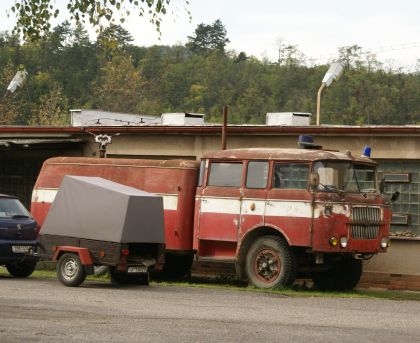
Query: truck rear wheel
{"points": [[343, 275], [21, 269], [70, 270], [270, 262]]}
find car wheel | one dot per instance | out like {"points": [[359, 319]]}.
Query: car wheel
{"points": [[21, 269]]}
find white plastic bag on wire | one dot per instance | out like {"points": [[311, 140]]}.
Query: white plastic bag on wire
{"points": [[17, 81]]}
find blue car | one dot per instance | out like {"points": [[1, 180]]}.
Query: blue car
{"points": [[18, 232]]}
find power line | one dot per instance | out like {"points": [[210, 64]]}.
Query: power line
{"points": [[374, 51]]}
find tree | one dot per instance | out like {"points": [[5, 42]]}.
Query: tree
{"points": [[113, 40], [208, 38], [117, 88], [9, 104], [33, 16], [52, 110]]}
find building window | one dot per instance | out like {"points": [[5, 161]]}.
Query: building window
{"points": [[403, 176], [257, 174], [399, 219], [225, 174], [396, 177], [290, 175]]}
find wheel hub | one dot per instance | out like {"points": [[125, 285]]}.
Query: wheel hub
{"points": [[70, 269], [267, 265]]}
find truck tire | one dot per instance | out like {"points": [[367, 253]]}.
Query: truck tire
{"points": [[177, 265], [70, 270], [21, 269], [343, 275], [270, 262]]}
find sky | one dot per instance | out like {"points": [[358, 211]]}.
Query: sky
{"points": [[388, 28]]}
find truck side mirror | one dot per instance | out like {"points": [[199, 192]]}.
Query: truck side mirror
{"points": [[395, 196], [314, 180]]}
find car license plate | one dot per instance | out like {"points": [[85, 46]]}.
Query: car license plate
{"points": [[137, 269], [21, 248]]}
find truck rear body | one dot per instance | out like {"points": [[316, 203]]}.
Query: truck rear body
{"points": [[173, 180]]}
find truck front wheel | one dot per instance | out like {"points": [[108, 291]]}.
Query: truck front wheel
{"points": [[21, 269], [270, 262], [70, 270], [343, 275]]}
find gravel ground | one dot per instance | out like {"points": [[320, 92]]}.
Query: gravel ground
{"points": [[42, 310]]}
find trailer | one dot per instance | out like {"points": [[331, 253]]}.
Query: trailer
{"points": [[97, 222]]}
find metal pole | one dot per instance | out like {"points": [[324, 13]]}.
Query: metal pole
{"points": [[224, 127], [318, 103]]}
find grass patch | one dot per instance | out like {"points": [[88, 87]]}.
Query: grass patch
{"points": [[296, 291], [227, 283]]}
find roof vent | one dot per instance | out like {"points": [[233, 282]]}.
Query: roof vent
{"points": [[182, 119], [288, 119]]}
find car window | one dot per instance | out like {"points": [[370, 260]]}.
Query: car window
{"points": [[10, 207]]}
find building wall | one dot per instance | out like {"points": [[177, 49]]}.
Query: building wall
{"points": [[384, 147]]}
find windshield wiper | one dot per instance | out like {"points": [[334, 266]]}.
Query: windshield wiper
{"points": [[331, 188]]}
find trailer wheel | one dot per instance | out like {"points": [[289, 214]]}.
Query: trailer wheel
{"points": [[70, 270], [21, 269], [270, 262], [344, 275]]}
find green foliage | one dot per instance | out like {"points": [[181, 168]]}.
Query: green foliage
{"points": [[33, 16], [67, 70], [208, 38], [117, 86]]}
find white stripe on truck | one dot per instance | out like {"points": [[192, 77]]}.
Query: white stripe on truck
{"points": [[47, 195]]}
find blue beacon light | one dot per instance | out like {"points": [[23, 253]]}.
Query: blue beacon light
{"points": [[366, 151]]}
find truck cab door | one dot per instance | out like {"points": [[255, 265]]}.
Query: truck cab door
{"points": [[218, 218], [253, 202]]}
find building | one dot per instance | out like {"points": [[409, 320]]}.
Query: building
{"points": [[395, 148]]}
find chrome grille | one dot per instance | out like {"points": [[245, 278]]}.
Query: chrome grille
{"points": [[365, 222]]}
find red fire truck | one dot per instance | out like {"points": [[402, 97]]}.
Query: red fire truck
{"points": [[274, 213]]}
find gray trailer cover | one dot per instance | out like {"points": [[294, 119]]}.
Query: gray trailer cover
{"points": [[99, 209]]}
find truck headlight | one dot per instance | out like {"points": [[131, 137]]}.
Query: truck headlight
{"points": [[385, 242], [343, 241], [333, 241]]}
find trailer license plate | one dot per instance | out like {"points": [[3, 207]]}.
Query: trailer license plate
{"points": [[21, 248], [138, 269]]}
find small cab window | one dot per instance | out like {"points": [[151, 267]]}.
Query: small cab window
{"points": [[225, 174], [257, 174], [290, 175], [201, 173]]}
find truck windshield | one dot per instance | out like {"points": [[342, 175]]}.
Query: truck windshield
{"points": [[12, 208], [345, 176]]}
